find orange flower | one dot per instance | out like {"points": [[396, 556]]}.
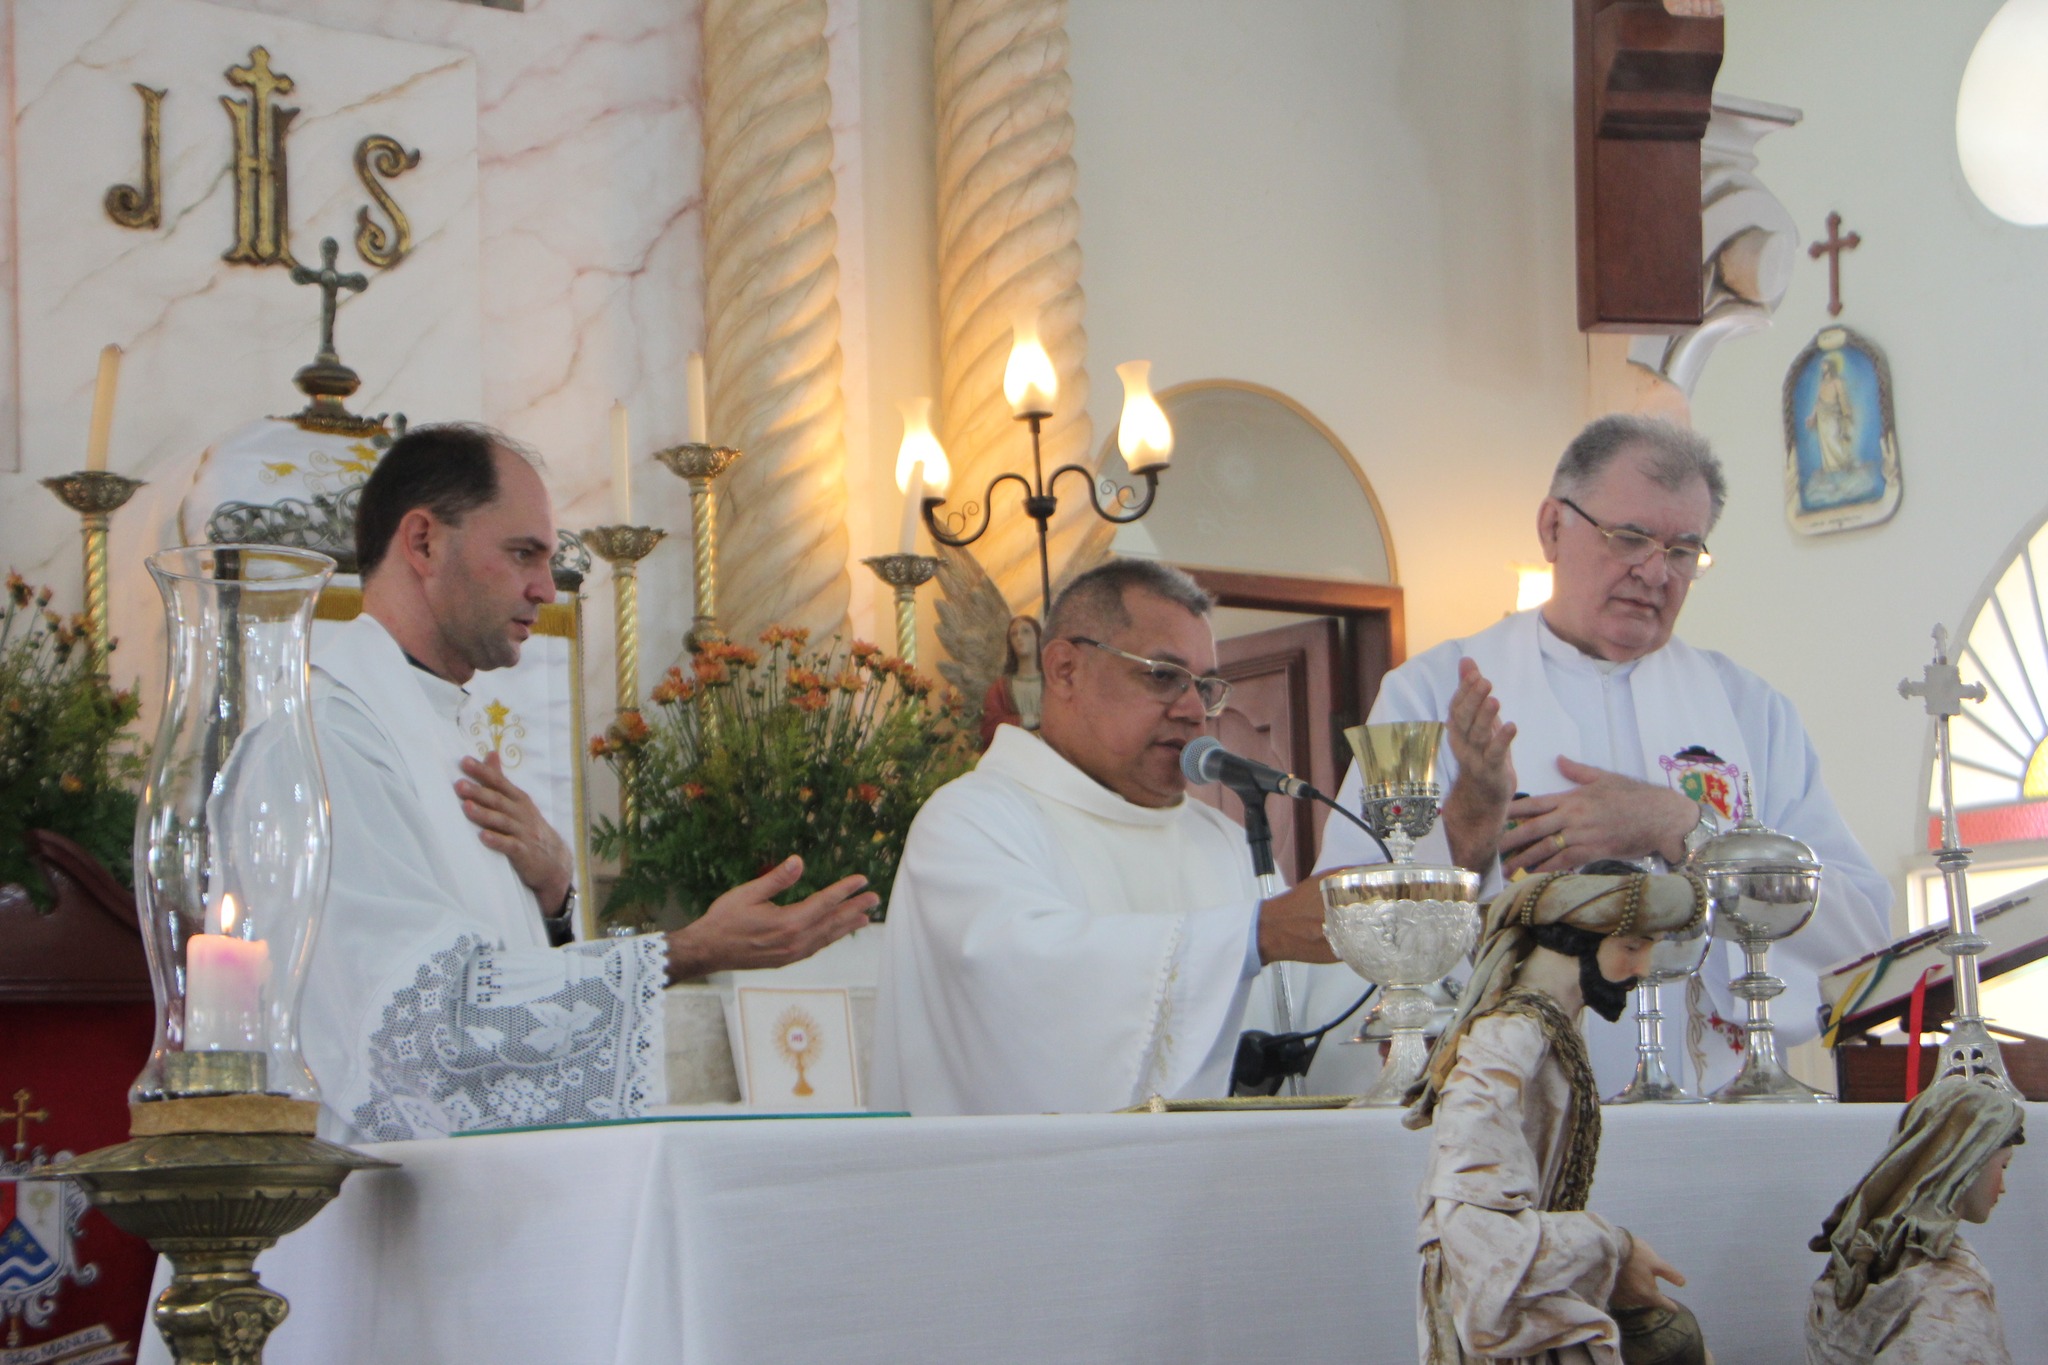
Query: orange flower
{"points": [[694, 791], [889, 663], [849, 681], [914, 682], [674, 688], [862, 651], [631, 728], [18, 589], [810, 701], [70, 783], [795, 635], [709, 670], [803, 680], [868, 793]]}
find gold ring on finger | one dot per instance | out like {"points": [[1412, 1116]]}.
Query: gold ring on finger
{"points": [[1558, 839]]}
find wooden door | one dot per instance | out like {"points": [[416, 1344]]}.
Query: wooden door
{"points": [[1283, 698]]}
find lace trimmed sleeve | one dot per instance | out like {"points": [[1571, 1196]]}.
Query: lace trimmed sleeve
{"points": [[487, 1037]]}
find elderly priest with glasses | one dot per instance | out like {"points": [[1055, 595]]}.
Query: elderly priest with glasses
{"points": [[1584, 729], [1068, 931]]}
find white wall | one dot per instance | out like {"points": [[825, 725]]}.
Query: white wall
{"points": [[1369, 208], [1957, 298]]}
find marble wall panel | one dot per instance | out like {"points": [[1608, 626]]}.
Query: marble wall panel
{"points": [[589, 154], [211, 344]]}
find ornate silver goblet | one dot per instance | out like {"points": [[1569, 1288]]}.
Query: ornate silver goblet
{"points": [[1402, 927], [1402, 924], [1673, 959], [1762, 886]]}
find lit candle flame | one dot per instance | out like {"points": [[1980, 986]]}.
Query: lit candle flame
{"points": [[1144, 435], [1029, 380], [920, 446], [229, 913]]}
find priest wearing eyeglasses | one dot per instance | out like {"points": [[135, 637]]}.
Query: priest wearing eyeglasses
{"points": [[1068, 932], [1585, 729]]}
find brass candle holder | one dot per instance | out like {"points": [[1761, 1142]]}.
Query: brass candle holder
{"points": [[906, 574], [698, 464], [95, 495], [623, 547], [210, 1201]]}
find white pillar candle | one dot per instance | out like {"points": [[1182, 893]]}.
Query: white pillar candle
{"points": [[224, 981], [921, 468], [103, 408], [700, 417], [622, 467]]}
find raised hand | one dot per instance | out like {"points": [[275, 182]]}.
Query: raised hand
{"points": [[1476, 806], [509, 822], [745, 928]]}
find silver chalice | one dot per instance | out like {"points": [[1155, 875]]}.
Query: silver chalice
{"points": [[1403, 924]]}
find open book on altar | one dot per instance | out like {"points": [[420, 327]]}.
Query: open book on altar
{"points": [[1877, 989]]}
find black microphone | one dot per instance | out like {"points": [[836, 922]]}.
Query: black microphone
{"points": [[1206, 760]]}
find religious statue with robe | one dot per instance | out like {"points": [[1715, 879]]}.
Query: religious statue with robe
{"points": [[1514, 1267], [1901, 1286], [1015, 697]]}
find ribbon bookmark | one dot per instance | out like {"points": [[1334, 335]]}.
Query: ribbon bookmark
{"points": [[1916, 1015]]}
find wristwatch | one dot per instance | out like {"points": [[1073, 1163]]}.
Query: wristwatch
{"points": [[561, 926], [1709, 828]]}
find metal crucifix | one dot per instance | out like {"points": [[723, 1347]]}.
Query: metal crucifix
{"points": [[1833, 248]]}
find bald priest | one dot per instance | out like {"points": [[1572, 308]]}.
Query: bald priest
{"points": [[434, 1001], [1068, 932]]}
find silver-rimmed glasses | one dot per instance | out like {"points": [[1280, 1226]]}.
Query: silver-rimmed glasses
{"points": [[1167, 681], [1684, 558]]}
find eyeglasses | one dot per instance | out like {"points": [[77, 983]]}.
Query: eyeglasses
{"points": [[1168, 682], [1684, 559]]}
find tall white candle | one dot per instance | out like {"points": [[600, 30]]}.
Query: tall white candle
{"points": [[700, 416], [224, 981], [921, 468], [913, 503], [622, 467], [103, 408]]}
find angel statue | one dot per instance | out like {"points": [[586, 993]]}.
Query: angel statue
{"points": [[994, 650], [1901, 1286], [1013, 698]]}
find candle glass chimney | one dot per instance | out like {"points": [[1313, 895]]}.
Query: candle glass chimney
{"points": [[232, 837]]}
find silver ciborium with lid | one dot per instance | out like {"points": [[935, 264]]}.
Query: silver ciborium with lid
{"points": [[1400, 924], [1762, 887]]}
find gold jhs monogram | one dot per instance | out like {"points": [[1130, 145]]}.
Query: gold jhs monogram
{"points": [[262, 232]]}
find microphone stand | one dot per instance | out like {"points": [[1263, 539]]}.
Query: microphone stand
{"points": [[1258, 832]]}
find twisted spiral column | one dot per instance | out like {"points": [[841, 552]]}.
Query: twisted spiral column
{"points": [[1007, 245], [772, 315]]}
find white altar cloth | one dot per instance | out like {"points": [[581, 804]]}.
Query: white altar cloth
{"points": [[1284, 1237]]}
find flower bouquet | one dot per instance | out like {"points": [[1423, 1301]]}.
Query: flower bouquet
{"points": [[756, 753], [65, 764]]}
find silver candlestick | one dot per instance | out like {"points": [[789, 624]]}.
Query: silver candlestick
{"points": [[1969, 1049], [1673, 959]]}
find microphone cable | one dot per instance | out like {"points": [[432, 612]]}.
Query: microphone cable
{"points": [[1265, 1060]]}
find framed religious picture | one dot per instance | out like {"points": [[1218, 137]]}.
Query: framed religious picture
{"points": [[795, 1048], [1841, 450]]}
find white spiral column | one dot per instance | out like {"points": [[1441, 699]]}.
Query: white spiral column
{"points": [[771, 307], [1007, 245]]}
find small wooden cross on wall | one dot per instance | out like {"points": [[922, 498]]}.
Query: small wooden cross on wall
{"points": [[21, 1116], [1833, 248]]}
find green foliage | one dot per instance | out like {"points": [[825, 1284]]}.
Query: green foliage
{"points": [[65, 763], [760, 753]]}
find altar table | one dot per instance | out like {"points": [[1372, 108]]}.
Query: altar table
{"points": [[1285, 1237]]}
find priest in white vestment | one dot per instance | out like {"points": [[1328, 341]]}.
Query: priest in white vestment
{"points": [[1514, 1265], [1635, 743], [434, 1002], [1902, 1287], [1068, 932]]}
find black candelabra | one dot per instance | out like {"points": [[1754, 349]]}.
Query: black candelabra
{"points": [[1125, 505]]}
